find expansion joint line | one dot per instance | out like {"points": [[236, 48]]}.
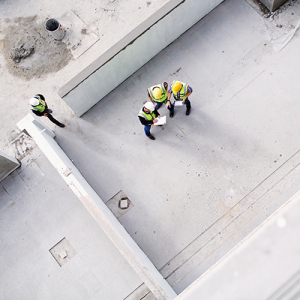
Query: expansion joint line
{"points": [[236, 217]]}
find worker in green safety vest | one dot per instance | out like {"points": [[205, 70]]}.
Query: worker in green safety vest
{"points": [[39, 108], [147, 116], [158, 95], [181, 92]]}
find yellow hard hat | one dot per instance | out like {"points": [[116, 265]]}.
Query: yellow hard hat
{"points": [[157, 92], [176, 87]]}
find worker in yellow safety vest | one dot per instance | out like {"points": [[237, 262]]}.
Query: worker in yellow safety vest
{"points": [[181, 91], [158, 95], [147, 116], [40, 108]]}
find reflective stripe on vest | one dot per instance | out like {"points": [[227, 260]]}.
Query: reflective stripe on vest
{"points": [[182, 93], [164, 93], [148, 117], [41, 107]]}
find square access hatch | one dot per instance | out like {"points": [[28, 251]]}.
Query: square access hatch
{"points": [[119, 204], [63, 252]]}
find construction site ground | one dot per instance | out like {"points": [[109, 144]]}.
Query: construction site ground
{"points": [[203, 185]]}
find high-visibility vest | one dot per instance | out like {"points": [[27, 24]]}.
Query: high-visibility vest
{"points": [[148, 117], [182, 92], [40, 107], [164, 93]]}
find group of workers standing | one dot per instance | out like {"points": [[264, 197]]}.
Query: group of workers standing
{"points": [[159, 94]]}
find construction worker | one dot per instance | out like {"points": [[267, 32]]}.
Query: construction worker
{"points": [[39, 107], [147, 116], [158, 94], [181, 92]]}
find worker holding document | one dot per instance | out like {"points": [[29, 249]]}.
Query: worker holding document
{"points": [[181, 92], [149, 116]]}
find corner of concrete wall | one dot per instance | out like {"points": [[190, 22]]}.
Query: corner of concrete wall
{"points": [[7, 165], [132, 52], [272, 4], [97, 208]]}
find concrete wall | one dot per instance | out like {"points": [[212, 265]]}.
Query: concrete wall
{"points": [[7, 165], [272, 4], [263, 264], [96, 207], [132, 52]]}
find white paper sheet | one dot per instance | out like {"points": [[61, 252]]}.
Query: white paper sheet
{"points": [[178, 103], [161, 121]]}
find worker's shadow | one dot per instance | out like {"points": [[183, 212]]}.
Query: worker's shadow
{"points": [[228, 141]]}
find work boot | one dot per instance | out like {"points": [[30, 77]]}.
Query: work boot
{"points": [[151, 137], [171, 114], [188, 110], [61, 125]]}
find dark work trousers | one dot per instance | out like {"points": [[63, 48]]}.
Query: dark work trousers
{"points": [[147, 130], [51, 118], [159, 104], [186, 102]]}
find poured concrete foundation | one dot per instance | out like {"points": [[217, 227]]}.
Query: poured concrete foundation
{"points": [[7, 165], [272, 4], [132, 52]]}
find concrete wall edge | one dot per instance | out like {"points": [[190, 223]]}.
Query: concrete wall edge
{"points": [[8, 165], [119, 46], [97, 208]]}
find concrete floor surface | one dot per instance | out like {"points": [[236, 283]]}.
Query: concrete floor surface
{"points": [[37, 210], [187, 186], [199, 168], [108, 20]]}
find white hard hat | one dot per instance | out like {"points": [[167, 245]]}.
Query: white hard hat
{"points": [[150, 106], [34, 101]]}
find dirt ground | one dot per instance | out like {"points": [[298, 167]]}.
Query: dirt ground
{"points": [[46, 56], [48, 64]]}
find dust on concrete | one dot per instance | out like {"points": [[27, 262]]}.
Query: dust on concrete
{"points": [[288, 5], [30, 51], [20, 144], [282, 20], [258, 6]]}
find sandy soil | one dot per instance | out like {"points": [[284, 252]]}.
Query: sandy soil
{"points": [[50, 64], [47, 55]]}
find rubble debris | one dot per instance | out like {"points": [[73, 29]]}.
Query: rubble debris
{"points": [[30, 51], [21, 52]]}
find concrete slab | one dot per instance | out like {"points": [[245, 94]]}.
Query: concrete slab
{"points": [[7, 165], [108, 20], [243, 110], [269, 247], [34, 217], [78, 36], [200, 167]]}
